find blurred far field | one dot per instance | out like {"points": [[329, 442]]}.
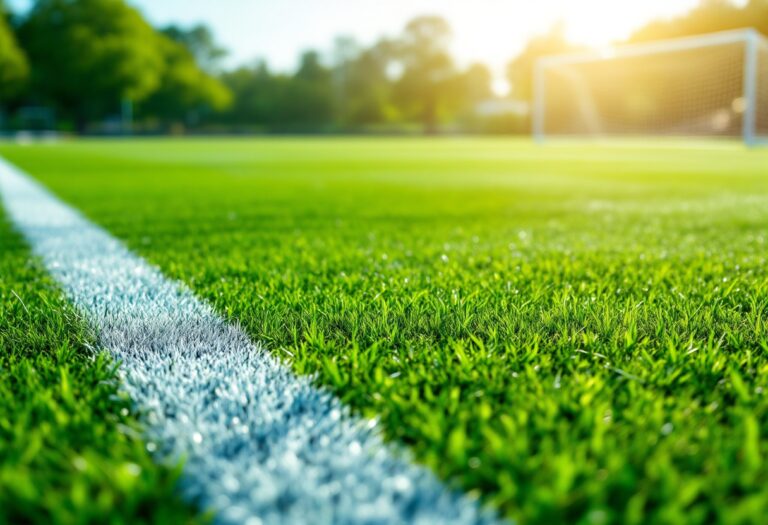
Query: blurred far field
{"points": [[574, 332]]}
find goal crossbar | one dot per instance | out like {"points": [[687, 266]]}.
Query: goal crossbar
{"points": [[651, 48]]}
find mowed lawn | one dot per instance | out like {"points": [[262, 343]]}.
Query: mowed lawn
{"points": [[577, 333]]}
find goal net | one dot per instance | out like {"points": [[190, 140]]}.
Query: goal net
{"points": [[712, 85]]}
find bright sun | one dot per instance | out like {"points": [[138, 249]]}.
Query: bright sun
{"points": [[493, 31]]}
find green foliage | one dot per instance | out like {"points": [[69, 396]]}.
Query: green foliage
{"points": [[576, 333], [428, 69], [468, 89], [255, 94], [354, 92], [89, 55], [70, 450], [310, 96], [520, 70], [199, 41], [299, 102], [365, 94], [184, 87], [13, 63], [408, 79]]}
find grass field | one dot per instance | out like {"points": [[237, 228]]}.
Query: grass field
{"points": [[70, 449], [576, 333]]}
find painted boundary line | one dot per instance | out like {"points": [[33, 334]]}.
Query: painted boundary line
{"points": [[262, 446]]}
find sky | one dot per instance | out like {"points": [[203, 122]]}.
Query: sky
{"points": [[489, 31]]}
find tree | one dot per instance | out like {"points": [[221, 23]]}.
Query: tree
{"points": [[13, 63], [367, 86], [311, 93], [90, 55], [185, 91], [279, 102], [427, 69], [199, 41], [520, 70], [474, 85], [254, 91]]}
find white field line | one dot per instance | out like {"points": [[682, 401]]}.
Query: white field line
{"points": [[262, 446]]}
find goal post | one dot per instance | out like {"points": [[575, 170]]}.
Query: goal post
{"points": [[713, 85]]}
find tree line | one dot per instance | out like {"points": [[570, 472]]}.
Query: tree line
{"points": [[92, 61], [96, 60], [89, 59]]}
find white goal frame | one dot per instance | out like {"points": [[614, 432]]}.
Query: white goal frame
{"points": [[752, 40]]}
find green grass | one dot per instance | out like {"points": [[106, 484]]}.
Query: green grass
{"points": [[69, 446], [577, 333]]}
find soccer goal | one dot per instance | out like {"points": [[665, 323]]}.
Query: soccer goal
{"points": [[714, 85]]}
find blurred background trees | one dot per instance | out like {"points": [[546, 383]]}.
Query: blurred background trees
{"points": [[422, 90], [89, 56], [520, 69], [99, 66], [185, 92], [13, 63], [709, 16], [199, 41], [96, 60]]}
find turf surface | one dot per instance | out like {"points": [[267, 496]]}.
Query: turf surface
{"points": [[577, 333], [261, 445], [70, 450]]}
